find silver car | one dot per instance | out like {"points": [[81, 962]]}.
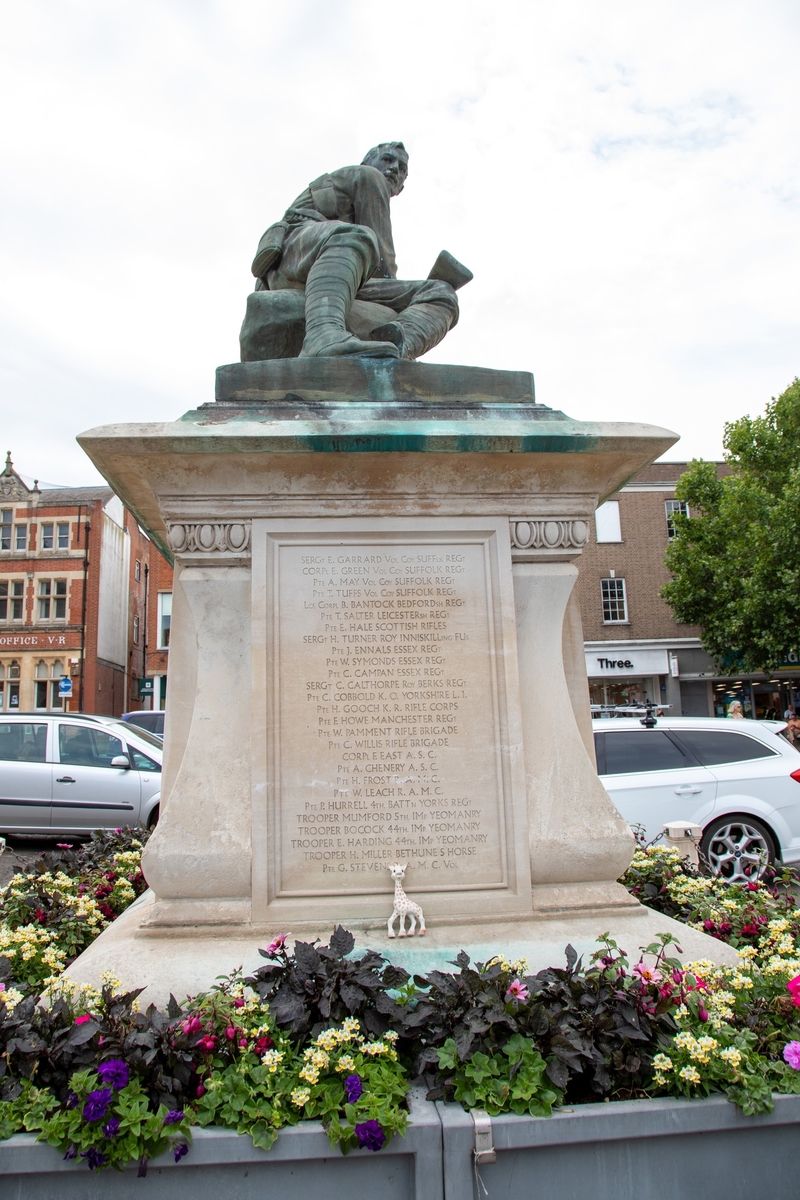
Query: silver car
{"points": [[738, 780], [72, 773]]}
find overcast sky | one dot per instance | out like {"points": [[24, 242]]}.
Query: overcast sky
{"points": [[622, 178]]}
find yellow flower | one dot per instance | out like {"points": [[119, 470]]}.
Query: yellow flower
{"points": [[346, 1063], [301, 1096], [662, 1063], [731, 1056], [690, 1074], [272, 1059]]}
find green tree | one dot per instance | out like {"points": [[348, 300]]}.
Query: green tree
{"points": [[736, 559]]}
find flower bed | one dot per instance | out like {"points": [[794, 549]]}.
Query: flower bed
{"points": [[317, 1034]]}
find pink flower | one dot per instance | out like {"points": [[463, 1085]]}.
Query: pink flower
{"points": [[702, 1014], [201, 1091], [647, 974], [794, 991], [517, 991], [82, 1020], [230, 1033], [276, 945], [207, 1043], [2, 987], [791, 1054], [238, 1002], [192, 1025]]}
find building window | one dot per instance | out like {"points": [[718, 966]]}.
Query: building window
{"points": [[672, 507], [12, 596], [47, 537], [606, 522], [56, 671], [137, 570], [52, 599], [21, 537], [5, 529], [164, 619], [13, 687], [615, 608], [136, 631], [40, 675], [63, 536]]}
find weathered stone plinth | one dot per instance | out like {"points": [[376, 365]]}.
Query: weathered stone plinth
{"points": [[375, 657]]}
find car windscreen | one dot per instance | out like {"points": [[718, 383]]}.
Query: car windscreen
{"points": [[631, 751], [127, 728], [714, 747]]}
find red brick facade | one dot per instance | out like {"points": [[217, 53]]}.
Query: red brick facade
{"points": [[69, 598]]}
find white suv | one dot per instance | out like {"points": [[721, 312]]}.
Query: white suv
{"points": [[70, 773], [738, 780]]}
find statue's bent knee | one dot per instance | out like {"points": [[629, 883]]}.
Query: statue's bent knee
{"points": [[358, 238]]}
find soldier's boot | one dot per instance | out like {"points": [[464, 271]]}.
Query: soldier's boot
{"points": [[418, 328], [330, 290]]}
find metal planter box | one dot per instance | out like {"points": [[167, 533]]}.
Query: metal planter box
{"points": [[632, 1150]]}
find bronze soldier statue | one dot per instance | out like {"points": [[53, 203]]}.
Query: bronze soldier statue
{"points": [[335, 244]]}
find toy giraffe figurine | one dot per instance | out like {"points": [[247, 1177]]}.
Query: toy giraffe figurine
{"points": [[403, 907]]}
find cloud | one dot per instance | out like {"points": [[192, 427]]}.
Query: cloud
{"points": [[622, 180]]}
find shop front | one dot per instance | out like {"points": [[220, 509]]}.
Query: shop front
{"points": [[31, 668], [620, 675]]}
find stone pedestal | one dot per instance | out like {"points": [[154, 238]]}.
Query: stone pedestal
{"points": [[374, 658]]}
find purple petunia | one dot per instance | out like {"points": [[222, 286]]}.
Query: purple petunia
{"points": [[115, 1073], [72, 1152], [179, 1151], [111, 1127], [94, 1158], [353, 1087], [72, 1100], [96, 1104], [173, 1117], [370, 1135]]}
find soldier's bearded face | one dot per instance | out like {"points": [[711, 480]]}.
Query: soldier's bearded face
{"points": [[394, 168]]}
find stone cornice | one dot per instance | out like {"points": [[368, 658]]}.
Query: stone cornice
{"points": [[537, 539], [217, 541]]}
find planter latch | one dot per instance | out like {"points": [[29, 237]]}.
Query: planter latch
{"points": [[484, 1146]]}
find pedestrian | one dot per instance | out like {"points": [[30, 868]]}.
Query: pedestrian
{"points": [[735, 710]]}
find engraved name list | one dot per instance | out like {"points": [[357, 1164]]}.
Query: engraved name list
{"points": [[389, 744]]}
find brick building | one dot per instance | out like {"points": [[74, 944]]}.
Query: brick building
{"points": [[634, 647], [74, 570]]}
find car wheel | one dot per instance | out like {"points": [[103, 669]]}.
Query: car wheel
{"points": [[738, 849], [153, 819]]}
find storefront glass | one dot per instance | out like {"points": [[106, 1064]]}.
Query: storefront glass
{"points": [[618, 691], [726, 693]]}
